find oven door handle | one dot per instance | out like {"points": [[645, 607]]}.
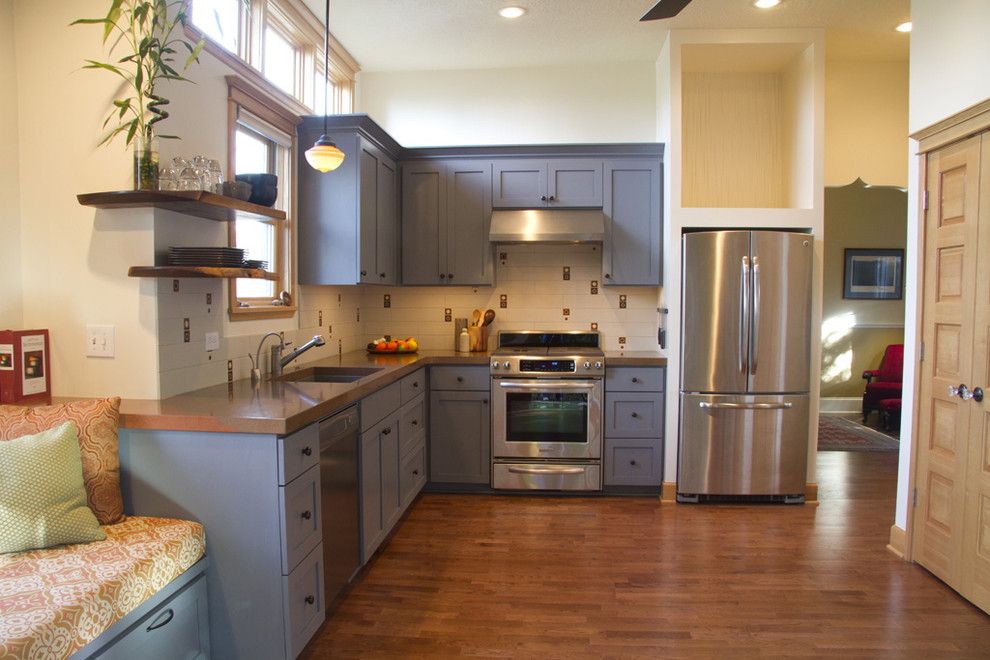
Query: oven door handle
{"points": [[549, 384], [546, 470]]}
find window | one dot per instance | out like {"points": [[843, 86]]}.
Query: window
{"points": [[277, 45], [261, 140]]}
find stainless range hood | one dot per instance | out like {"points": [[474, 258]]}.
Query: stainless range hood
{"points": [[547, 226]]}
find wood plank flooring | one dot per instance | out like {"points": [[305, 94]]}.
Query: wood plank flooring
{"points": [[501, 576]]}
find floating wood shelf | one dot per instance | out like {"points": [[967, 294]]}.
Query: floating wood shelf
{"points": [[198, 203], [173, 272]]}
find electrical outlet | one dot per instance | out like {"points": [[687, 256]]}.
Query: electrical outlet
{"points": [[100, 341], [212, 341]]}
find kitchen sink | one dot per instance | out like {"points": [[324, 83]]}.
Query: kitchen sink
{"points": [[331, 374]]}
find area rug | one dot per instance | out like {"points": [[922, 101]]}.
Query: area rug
{"points": [[841, 434]]}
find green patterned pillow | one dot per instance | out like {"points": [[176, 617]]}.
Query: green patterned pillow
{"points": [[42, 496]]}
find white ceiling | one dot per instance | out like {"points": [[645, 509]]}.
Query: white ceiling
{"points": [[397, 35]]}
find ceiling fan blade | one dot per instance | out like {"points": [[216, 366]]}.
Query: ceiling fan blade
{"points": [[665, 9]]}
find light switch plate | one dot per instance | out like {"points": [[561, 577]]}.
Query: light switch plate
{"points": [[100, 341], [212, 341]]}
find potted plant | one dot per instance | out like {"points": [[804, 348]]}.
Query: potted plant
{"points": [[142, 31]]}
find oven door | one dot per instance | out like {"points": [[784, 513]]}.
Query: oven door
{"points": [[546, 418]]}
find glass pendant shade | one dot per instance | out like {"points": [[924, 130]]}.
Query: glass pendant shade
{"points": [[324, 155]]}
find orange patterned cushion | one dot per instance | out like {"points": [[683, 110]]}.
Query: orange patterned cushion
{"points": [[96, 421], [55, 601]]}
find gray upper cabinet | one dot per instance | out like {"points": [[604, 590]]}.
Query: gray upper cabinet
{"points": [[348, 218], [534, 183], [631, 252], [446, 211]]}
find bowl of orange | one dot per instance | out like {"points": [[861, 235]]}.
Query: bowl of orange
{"points": [[387, 344]]}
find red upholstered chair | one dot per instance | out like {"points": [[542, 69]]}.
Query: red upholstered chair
{"points": [[885, 382]]}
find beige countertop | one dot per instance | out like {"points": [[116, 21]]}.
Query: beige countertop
{"points": [[284, 406]]}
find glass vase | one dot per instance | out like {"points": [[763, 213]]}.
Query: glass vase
{"points": [[146, 162]]}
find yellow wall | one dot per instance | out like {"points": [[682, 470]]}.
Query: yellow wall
{"points": [[866, 122], [11, 311], [855, 332]]}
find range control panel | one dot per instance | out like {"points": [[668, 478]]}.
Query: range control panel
{"points": [[576, 365]]}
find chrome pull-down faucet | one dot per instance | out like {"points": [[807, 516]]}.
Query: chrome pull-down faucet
{"points": [[279, 361]]}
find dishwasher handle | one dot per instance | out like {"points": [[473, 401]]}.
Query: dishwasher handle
{"points": [[342, 424]]}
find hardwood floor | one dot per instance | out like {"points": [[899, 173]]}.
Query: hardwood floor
{"points": [[619, 577]]}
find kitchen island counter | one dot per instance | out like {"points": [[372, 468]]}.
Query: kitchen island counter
{"points": [[280, 406]]}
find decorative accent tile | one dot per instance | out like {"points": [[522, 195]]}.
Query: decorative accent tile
{"points": [[567, 273], [622, 302], [447, 314], [387, 301], [503, 301], [594, 326], [594, 287]]}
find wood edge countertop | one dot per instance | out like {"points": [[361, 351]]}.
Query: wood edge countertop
{"points": [[283, 406]]}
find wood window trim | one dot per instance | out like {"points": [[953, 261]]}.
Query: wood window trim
{"points": [[240, 93]]}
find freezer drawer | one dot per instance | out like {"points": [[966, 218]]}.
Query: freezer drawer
{"points": [[743, 444]]}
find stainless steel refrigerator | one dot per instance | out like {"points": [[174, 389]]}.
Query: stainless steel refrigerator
{"points": [[745, 365]]}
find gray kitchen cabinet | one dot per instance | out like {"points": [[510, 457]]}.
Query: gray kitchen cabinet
{"points": [[252, 493], [460, 426], [535, 183], [348, 218], [393, 438], [446, 210], [631, 249], [634, 414]]}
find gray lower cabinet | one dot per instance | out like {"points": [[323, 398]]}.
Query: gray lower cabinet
{"points": [[534, 183], [257, 497], [460, 425], [631, 249], [392, 457], [446, 211], [348, 219], [634, 414]]}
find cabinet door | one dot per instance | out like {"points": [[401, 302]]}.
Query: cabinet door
{"points": [[423, 210], [460, 441], [389, 438], [574, 182], [371, 494], [632, 206], [519, 184], [387, 222], [469, 211], [368, 198]]}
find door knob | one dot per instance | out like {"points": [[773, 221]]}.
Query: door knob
{"points": [[965, 393]]}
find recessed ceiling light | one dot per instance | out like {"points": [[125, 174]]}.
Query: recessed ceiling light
{"points": [[904, 27], [511, 12], [766, 4]]}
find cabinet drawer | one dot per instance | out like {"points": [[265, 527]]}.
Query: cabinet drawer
{"points": [[632, 462], [375, 407], [302, 520], [178, 628], [298, 452], [412, 422], [412, 386], [629, 415], [412, 476], [303, 602], [460, 378], [634, 379]]}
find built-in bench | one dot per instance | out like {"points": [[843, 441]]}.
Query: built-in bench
{"points": [[139, 593]]}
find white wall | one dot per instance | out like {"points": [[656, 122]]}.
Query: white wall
{"points": [[614, 102], [866, 118], [11, 310], [950, 53]]}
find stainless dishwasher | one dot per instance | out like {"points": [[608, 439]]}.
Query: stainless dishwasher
{"points": [[339, 494]]}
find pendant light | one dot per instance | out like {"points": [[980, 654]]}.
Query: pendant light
{"points": [[324, 155]]}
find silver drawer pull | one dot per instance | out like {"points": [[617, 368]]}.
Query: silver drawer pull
{"points": [[546, 470], [747, 406], [161, 620]]}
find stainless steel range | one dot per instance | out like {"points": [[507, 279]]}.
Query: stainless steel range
{"points": [[547, 410]]}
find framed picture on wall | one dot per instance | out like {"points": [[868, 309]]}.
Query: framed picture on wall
{"points": [[874, 274]]}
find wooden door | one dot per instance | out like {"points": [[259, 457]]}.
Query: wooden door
{"points": [[460, 437], [574, 182], [387, 221], [631, 252], [469, 213], [519, 184], [952, 255], [423, 210], [976, 513]]}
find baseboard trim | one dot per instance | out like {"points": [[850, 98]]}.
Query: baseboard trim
{"points": [[811, 493], [840, 404], [898, 541], [668, 492]]}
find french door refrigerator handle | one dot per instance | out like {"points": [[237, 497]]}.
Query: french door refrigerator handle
{"points": [[743, 307], [754, 356], [747, 406]]}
